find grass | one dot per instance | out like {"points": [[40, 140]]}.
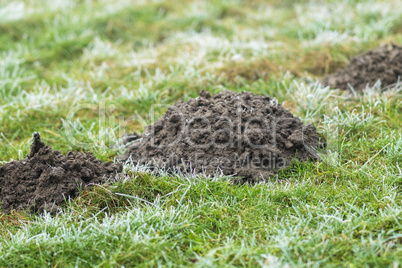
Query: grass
{"points": [[126, 61]]}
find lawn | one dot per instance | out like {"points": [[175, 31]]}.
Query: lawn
{"points": [[83, 73]]}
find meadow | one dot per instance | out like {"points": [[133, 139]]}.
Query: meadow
{"points": [[123, 62]]}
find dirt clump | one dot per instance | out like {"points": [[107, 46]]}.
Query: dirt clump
{"points": [[384, 64], [47, 178], [241, 134]]}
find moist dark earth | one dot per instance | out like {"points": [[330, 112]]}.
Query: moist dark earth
{"points": [[241, 134], [47, 178], [384, 64]]}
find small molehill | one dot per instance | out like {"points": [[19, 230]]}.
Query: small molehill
{"points": [[241, 134], [47, 178], [383, 63]]}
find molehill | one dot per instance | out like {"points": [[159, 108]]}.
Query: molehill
{"points": [[241, 134], [384, 63], [46, 178]]}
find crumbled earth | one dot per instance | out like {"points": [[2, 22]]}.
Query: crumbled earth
{"points": [[47, 178], [241, 134], [384, 64]]}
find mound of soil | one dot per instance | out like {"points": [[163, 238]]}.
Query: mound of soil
{"points": [[46, 178], [384, 64], [232, 133]]}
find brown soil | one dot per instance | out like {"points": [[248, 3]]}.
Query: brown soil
{"points": [[46, 178], [232, 133], [383, 63]]}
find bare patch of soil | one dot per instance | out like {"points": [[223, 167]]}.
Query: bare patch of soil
{"points": [[384, 64], [47, 178], [244, 134]]}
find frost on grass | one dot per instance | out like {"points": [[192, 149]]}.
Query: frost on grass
{"points": [[19, 10], [12, 74], [314, 229], [312, 101], [100, 138], [318, 19], [394, 150], [101, 50], [13, 11]]}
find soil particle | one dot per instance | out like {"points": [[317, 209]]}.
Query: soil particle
{"points": [[241, 134], [47, 178], [36, 145], [384, 64]]}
